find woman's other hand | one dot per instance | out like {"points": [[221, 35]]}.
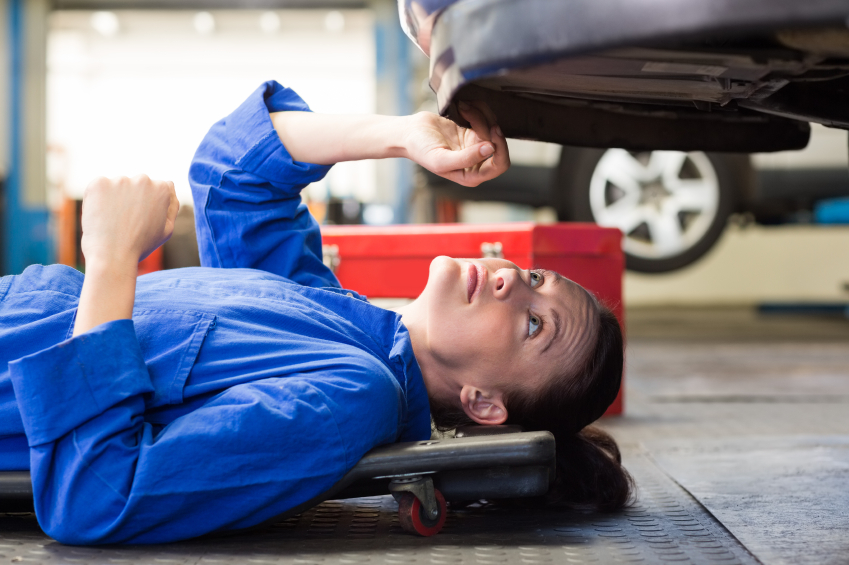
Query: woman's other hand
{"points": [[467, 156], [125, 219]]}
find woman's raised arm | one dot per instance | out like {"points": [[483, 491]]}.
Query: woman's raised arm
{"points": [[456, 153], [248, 172]]}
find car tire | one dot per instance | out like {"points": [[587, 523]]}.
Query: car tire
{"points": [[671, 206]]}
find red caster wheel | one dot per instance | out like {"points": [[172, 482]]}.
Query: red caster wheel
{"points": [[412, 515]]}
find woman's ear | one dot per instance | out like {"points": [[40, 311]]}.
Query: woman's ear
{"points": [[483, 407]]}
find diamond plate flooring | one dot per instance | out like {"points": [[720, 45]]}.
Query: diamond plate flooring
{"points": [[686, 381], [665, 525]]}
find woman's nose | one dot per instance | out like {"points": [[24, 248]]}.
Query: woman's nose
{"points": [[505, 282]]}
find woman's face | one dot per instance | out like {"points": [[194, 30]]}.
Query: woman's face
{"points": [[502, 326]]}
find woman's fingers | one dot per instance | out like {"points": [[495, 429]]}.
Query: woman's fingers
{"points": [[173, 208], [484, 109], [447, 160], [500, 161], [487, 169], [477, 120], [173, 201], [479, 113]]}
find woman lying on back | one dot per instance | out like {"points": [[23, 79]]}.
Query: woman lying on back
{"points": [[215, 398]]}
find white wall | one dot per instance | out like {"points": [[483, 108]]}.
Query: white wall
{"points": [[755, 264], [141, 100]]}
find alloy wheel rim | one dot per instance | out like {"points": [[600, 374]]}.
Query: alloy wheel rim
{"points": [[664, 202]]}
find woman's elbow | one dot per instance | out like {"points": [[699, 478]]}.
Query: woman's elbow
{"points": [[88, 521]]}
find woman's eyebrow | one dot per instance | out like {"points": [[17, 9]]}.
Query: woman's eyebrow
{"points": [[558, 278], [557, 325]]}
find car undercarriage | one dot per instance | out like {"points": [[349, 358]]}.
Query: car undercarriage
{"points": [[680, 75]]}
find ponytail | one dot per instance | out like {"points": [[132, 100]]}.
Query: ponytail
{"points": [[590, 472]]}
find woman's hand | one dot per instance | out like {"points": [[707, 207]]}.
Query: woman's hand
{"points": [[125, 220], [468, 156], [465, 156]]}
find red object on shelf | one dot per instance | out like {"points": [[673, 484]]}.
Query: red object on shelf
{"points": [[393, 261], [152, 262]]}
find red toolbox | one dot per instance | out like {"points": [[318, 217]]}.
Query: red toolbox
{"points": [[368, 259]]}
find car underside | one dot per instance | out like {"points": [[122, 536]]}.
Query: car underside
{"points": [[644, 75], [648, 99]]}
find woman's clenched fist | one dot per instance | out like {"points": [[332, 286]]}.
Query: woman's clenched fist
{"points": [[125, 219]]}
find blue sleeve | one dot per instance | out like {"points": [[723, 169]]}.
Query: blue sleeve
{"points": [[246, 190], [102, 475]]}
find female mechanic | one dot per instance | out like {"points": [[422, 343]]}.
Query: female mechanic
{"points": [[215, 398]]}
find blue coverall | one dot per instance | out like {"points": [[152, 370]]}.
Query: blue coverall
{"points": [[238, 390]]}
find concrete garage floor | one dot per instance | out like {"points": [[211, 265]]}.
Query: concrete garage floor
{"points": [[737, 434], [750, 414]]}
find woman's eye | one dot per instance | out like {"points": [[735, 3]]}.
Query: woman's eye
{"points": [[536, 278], [533, 325]]}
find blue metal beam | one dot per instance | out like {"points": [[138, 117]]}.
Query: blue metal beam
{"points": [[27, 234], [393, 67]]}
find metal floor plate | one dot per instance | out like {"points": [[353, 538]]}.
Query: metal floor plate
{"points": [[665, 526], [785, 498], [741, 372]]}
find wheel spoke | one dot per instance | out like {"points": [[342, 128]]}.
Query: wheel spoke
{"points": [[622, 169], [693, 195], [665, 231], [623, 215], [619, 168], [666, 165]]}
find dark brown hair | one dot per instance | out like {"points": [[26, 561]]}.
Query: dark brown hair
{"points": [[589, 465]]}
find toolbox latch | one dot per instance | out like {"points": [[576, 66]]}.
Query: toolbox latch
{"points": [[492, 250], [330, 257]]}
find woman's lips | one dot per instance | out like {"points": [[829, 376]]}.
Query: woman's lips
{"points": [[475, 282]]}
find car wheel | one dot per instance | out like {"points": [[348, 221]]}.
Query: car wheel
{"points": [[671, 206]]}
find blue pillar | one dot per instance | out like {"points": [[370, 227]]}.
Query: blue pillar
{"points": [[26, 223], [394, 79]]}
